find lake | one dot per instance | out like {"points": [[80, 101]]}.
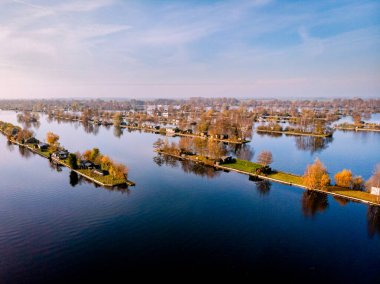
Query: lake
{"points": [[181, 217]]}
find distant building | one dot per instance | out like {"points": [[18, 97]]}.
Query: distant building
{"points": [[375, 190]]}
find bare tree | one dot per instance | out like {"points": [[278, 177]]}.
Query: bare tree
{"points": [[265, 158]]}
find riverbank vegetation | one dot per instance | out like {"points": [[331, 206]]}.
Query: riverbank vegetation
{"points": [[91, 164]]}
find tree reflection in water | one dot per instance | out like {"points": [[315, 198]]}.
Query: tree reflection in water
{"points": [[117, 131], [373, 220], [91, 128], [263, 186], [24, 152], [241, 151], [341, 201], [74, 178], [187, 166], [10, 146], [313, 202], [53, 165], [312, 144]]}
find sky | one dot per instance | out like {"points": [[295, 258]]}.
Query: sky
{"points": [[179, 49]]}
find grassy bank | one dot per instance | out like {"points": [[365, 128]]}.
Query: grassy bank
{"points": [[249, 168]]}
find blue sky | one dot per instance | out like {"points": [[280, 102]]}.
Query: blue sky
{"points": [[252, 48]]}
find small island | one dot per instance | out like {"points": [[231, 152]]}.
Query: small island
{"points": [[92, 164]]}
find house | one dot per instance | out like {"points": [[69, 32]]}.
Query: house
{"points": [[31, 140], [225, 159], [43, 146], [62, 154], [170, 131], [375, 190], [84, 164], [100, 172]]}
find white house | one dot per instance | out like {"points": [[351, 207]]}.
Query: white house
{"points": [[375, 190]]}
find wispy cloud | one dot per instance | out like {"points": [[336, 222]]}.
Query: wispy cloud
{"points": [[249, 45]]}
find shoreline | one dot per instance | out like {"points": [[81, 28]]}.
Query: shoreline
{"points": [[295, 133], [186, 135], [264, 177]]}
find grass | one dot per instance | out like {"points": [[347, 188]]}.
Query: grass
{"points": [[243, 165], [354, 193], [286, 177], [108, 179]]}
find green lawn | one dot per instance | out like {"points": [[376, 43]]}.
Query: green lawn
{"points": [[286, 177], [354, 193], [243, 165]]}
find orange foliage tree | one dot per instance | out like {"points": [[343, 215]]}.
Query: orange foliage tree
{"points": [[343, 178], [316, 176]]}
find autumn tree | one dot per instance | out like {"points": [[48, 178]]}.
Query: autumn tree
{"points": [[52, 139], [105, 163], [316, 176], [343, 178], [357, 183], [265, 158], [117, 119], [215, 149], [118, 171]]}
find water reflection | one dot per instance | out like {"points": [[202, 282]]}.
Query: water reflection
{"points": [[262, 186], [313, 202], [373, 220], [341, 201], [117, 131], [74, 178], [312, 144], [24, 152], [10, 146], [187, 166], [241, 151], [91, 128], [55, 166]]}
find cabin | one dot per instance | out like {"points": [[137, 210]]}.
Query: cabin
{"points": [[31, 140], [84, 164], [43, 146], [225, 159], [100, 172], [62, 155]]}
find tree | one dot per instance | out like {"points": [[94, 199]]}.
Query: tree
{"points": [[265, 158], [117, 119], [52, 140], [73, 162], [316, 176], [87, 155], [357, 183], [105, 163], [343, 178], [215, 149], [118, 171], [95, 153]]}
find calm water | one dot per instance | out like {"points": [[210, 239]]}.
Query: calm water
{"points": [[180, 217]]}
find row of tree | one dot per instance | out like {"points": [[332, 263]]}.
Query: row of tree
{"points": [[317, 177]]}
